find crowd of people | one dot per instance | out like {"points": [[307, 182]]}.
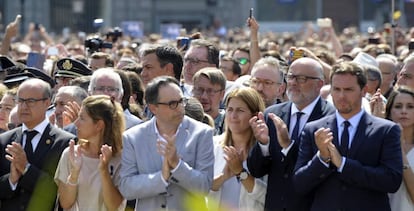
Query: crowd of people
{"points": [[308, 121]]}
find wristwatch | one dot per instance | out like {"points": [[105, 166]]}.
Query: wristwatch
{"points": [[242, 175]]}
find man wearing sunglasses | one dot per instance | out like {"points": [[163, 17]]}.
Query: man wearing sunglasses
{"points": [[168, 158], [276, 157], [242, 56]]}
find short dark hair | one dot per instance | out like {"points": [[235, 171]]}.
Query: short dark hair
{"points": [[235, 68], [213, 52], [167, 54], [152, 90], [350, 68], [109, 61]]}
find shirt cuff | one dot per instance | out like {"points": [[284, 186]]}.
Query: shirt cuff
{"points": [[13, 187], [163, 181], [175, 169], [26, 168], [265, 148], [322, 161], [342, 165], [285, 151]]}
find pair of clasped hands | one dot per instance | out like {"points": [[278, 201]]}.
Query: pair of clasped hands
{"points": [[167, 149], [323, 137]]}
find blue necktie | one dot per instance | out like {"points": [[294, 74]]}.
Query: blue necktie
{"points": [[296, 132], [345, 139]]}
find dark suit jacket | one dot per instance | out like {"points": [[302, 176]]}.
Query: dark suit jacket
{"points": [[36, 190], [280, 193], [372, 169]]}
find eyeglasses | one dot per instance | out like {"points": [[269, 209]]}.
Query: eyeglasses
{"points": [[406, 76], [105, 88], [173, 104], [242, 61], [29, 101], [194, 61], [266, 83], [299, 78], [198, 91]]}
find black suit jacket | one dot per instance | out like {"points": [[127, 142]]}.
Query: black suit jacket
{"points": [[36, 190], [373, 167], [279, 168]]}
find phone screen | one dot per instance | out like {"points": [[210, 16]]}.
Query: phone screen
{"points": [[52, 51], [183, 42], [35, 60]]}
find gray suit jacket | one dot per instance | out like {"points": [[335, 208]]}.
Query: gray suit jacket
{"points": [[141, 166]]}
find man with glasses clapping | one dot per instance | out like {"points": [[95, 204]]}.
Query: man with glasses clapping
{"points": [[30, 153], [168, 157], [275, 157]]}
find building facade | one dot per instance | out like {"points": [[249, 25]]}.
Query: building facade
{"points": [[79, 15]]}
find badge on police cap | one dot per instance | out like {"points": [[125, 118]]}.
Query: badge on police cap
{"points": [[67, 64]]}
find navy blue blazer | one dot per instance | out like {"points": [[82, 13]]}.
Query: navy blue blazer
{"points": [[36, 190], [279, 168], [372, 169]]}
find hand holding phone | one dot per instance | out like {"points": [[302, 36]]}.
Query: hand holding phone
{"points": [[250, 17], [183, 43]]}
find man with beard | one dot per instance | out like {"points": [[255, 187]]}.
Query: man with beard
{"points": [[349, 160], [276, 157], [267, 79], [209, 88]]}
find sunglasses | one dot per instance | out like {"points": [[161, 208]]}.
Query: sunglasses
{"points": [[242, 61]]}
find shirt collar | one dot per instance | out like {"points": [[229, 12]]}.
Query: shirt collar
{"points": [[158, 133], [307, 110], [39, 128], [354, 120]]}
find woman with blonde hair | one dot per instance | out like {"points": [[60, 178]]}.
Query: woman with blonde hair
{"points": [[233, 187], [88, 173]]}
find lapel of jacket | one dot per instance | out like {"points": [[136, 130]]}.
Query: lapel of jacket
{"points": [[285, 113], [333, 125], [364, 128], [182, 134], [17, 136], [316, 112], [46, 141], [151, 141]]}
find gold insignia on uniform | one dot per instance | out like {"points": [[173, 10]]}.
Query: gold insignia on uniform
{"points": [[48, 141], [67, 65]]}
